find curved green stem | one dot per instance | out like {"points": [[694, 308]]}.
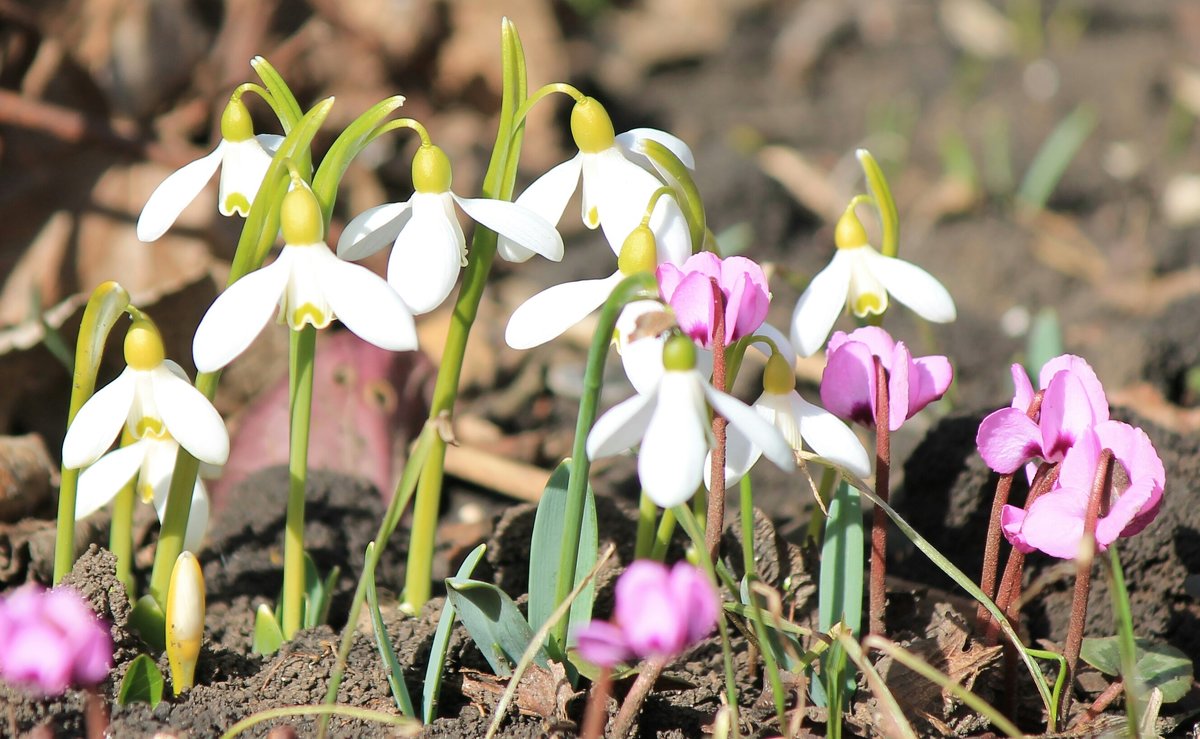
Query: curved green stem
{"points": [[687, 194], [120, 532], [543, 92], [302, 354], [1060, 679], [411, 124], [635, 287], [498, 183]]}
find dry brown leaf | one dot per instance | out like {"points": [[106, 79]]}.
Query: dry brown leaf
{"points": [[26, 474], [656, 32], [804, 181], [545, 693], [37, 272]]}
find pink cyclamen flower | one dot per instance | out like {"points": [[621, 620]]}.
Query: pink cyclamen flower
{"points": [[659, 613], [1054, 522], [1073, 401], [688, 290], [848, 383], [50, 640]]}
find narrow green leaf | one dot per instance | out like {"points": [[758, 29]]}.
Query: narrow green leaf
{"points": [[1045, 342], [268, 635], [493, 621], [347, 146], [441, 642], [143, 683], [148, 621], [679, 178], [286, 107], [1052, 160], [544, 559], [317, 592], [840, 595], [889, 220], [395, 673]]}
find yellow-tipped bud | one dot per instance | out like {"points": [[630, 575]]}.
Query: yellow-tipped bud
{"points": [[591, 127], [849, 233], [300, 217], [185, 620], [639, 253], [236, 123], [679, 354], [431, 170], [143, 345], [779, 378]]}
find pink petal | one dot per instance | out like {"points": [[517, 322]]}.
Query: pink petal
{"points": [[1008, 439], [699, 600], [1011, 520], [695, 310], [603, 644], [899, 386], [705, 263], [648, 614], [1066, 415], [1054, 523], [1022, 389], [669, 276], [848, 382], [40, 659], [1083, 372], [928, 380], [746, 305], [878, 341]]}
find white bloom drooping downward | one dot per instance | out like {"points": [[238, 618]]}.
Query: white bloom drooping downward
{"points": [[243, 159], [163, 412], [860, 278], [430, 248], [306, 284], [672, 424]]}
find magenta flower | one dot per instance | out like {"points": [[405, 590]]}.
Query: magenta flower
{"points": [[848, 383], [50, 640], [1073, 401], [689, 292], [659, 613], [1054, 522]]}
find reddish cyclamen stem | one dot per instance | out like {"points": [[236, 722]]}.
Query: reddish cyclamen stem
{"points": [[883, 461], [651, 669], [597, 706], [1097, 504], [715, 523]]}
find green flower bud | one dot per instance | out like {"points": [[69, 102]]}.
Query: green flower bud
{"points": [[143, 345], [779, 378], [679, 354], [591, 127], [849, 233], [431, 170], [639, 253], [300, 217], [236, 124]]}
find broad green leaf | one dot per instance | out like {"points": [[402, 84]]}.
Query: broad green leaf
{"points": [[317, 593], [148, 621], [143, 683], [441, 641], [840, 598], [268, 635], [395, 673], [1158, 665], [544, 559], [493, 621]]}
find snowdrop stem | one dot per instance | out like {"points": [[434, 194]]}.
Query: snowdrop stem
{"points": [[597, 706], [302, 353], [662, 537], [716, 493], [542, 93], [746, 498], [877, 590], [120, 534], [638, 286], [1083, 570], [652, 203], [647, 523], [104, 309], [410, 123]]}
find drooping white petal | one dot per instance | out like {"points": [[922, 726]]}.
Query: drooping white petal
{"points": [[305, 302], [554, 310], [671, 235], [547, 196], [830, 437], [190, 417], [759, 432], [620, 191], [372, 230], [238, 315], [160, 465], [365, 303], [642, 361], [99, 420], [740, 456], [428, 255], [621, 427], [101, 482], [517, 223], [242, 170], [175, 193], [270, 142], [630, 138], [823, 300], [677, 440], [913, 286]]}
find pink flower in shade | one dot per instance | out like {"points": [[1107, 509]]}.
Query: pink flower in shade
{"points": [[1054, 522], [689, 292], [659, 613], [50, 640], [1073, 401], [848, 383]]}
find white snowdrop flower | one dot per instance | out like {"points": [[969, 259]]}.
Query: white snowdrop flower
{"points": [[860, 278], [307, 284], [243, 159], [430, 248], [615, 188], [672, 424]]}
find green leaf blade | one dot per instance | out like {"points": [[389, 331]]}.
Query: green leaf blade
{"points": [[494, 623], [143, 683]]}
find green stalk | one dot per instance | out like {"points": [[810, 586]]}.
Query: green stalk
{"points": [[302, 345], [1125, 640], [662, 537], [498, 183], [120, 532], [104, 307], [639, 286], [746, 498], [647, 523]]}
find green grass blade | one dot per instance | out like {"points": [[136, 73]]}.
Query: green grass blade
{"points": [[1052, 160], [441, 642], [395, 673]]}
